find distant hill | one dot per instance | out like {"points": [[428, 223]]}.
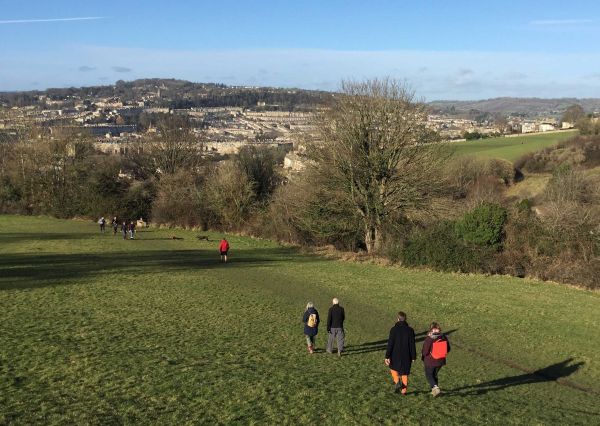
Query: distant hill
{"points": [[173, 93], [526, 107], [185, 94]]}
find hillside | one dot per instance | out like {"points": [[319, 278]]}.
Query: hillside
{"points": [[526, 107], [174, 93], [101, 330], [186, 94]]}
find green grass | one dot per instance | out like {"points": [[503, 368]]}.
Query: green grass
{"points": [[97, 330], [531, 187], [510, 148]]}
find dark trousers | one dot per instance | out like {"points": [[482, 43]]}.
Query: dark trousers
{"points": [[431, 374]]}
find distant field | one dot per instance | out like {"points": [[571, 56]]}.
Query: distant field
{"points": [[98, 330], [510, 148]]}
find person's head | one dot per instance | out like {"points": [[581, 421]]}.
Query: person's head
{"points": [[435, 327], [309, 305], [335, 301], [401, 316]]}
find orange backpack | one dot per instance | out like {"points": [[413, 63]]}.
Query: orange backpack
{"points": [[439, 349]]}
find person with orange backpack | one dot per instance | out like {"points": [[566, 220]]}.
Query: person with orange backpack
{"points": [[311, 325], [435, 349]]}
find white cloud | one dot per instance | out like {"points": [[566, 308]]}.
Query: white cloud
{"points": [[560, 22], [121, 69], [32, 21]]}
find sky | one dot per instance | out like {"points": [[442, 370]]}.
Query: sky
{"points": [[442, 49]]}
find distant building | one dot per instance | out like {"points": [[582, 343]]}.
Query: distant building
{"points": [[567, 125], [111, 130], [546, 127], [528, 128]]}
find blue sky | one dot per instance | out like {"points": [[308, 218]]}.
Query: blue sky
{"points": [[443, 49]]}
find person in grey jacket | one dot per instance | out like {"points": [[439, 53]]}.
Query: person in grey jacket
{"points": [[335, 327]]}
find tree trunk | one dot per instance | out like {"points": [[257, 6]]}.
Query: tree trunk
{"points": [[372, 238]]}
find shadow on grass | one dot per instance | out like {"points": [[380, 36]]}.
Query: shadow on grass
{"points": [[14, 237], [553, 373], [381, 345], [20, 271]]}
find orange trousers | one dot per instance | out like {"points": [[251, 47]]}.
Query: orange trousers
{"points": [[397, 377]]}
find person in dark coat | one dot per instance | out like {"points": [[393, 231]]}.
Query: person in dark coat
{"points": [[433, 364], [335, 327], [401, 352], [115, 226], [311, 325], [132, 230], [124, 229]]}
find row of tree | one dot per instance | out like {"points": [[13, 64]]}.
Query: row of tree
{"points": [[376, 180]]}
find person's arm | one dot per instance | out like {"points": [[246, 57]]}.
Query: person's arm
{"points": [[318, 318], [426, 348], [305, 317], [447, 343], [413, 345], [390, 347], [329, 321], [343, 315]]}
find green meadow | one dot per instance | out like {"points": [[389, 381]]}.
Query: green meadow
{"points": [[98, 330], [511, 148]]}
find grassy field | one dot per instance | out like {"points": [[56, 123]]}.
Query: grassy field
{"points": [[531, 187], [98, 330], [510, 148]]}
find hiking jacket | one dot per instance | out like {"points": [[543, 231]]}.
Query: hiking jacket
{"points": [[428, 360], [401, 347], [310, 331], [224, 246], [335, 317]]}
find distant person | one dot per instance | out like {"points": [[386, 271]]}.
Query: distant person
{"points": [[115, 225], [124, 229], [311, 325], [401, 353], [102, 223], [335, 327], [224, 249], [435, 349], [131, 230]]}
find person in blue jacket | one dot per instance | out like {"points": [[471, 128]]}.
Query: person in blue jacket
{"points": [[311, 325]]}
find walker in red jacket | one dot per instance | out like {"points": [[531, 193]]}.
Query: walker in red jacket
{"points": [[223, 249]]}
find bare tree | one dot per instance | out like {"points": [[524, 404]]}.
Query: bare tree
{"points": [[175, 147], [573, 113], [376, 149], [231, 195]]}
